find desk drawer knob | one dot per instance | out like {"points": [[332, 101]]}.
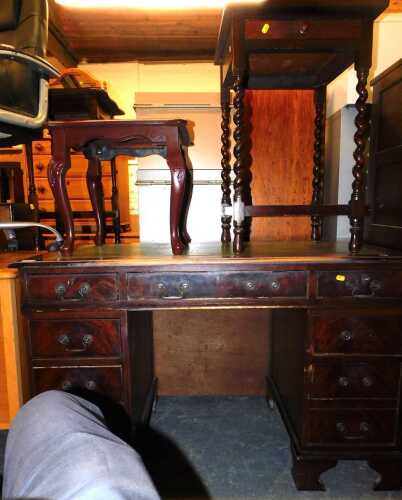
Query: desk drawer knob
{"points": [[346, 336], [250, 285], [275, 285], [364, 427], [375, 286], [91, 385], [84, 290], [367, 381], [303, 28], [66, 385], [340, 427], [184, 286], [343, 382], [60, 289]]}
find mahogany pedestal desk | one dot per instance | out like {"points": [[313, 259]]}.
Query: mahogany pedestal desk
{"points": [[293, 44], [335, 371]]}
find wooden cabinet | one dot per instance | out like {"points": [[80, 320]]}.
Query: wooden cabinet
{"points": [[12, 360], [115, 191]]}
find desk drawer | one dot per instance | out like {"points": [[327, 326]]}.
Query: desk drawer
{"points": [[352, 428], [70, 288], [306, 29], [79, 166], [73, 338], [386, 284], [350, 379], [101, 379], [179, 286], [339, 332], [76, 188]]}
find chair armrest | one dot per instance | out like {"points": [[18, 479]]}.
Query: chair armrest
{"points": [[37, 63], [10, 226]]}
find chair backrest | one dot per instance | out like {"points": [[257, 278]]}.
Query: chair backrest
{"points": [[23, 25]]}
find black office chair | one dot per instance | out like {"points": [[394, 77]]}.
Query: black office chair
{"points": [[24, 75]]}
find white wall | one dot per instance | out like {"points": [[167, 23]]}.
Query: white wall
{"points": [[387, 49]]}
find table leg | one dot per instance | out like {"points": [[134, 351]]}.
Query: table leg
{"points": [[185, 237], [238, 168], [94, 183], [319, 136], [57, 169], [177, 196], [357, 200], [226, 220], [115, 203]]}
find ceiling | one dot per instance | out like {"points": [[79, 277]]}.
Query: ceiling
{"points": [[112, 35]]}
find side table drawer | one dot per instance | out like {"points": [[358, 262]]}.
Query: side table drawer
{"points": [[352, 428], [71, 338], [338, 284], [70, 288], [178, 286], [342, 333], [102, 379], [303, 29]]}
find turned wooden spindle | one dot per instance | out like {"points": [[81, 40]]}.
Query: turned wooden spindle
{"points": [[357, 200], [226, 169], [238, 167], [318, 169]]}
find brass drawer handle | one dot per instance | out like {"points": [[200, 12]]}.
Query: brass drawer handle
{"points": [[275, 285], [60, 289], [340, 427], [375, 286], [182, 287], [65, 340], [364, 428], [251, 285], [343, 382], [66, 385], [367, 381], [346, 336], [90, 385], [84, 290]]}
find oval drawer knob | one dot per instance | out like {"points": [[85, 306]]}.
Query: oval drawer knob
{"points": [[66, 385], [340, 427], [375, 286], [275, 285], [90, 385], [250, 285], [184, 286], [84, 290], [364, 427], [60, 289], [343, 382], [346, 336], [367, 381], [303, 28], [40, 167], [39, 147], [63, 339]]}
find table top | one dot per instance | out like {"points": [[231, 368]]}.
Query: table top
{"points": [[214, 253]]}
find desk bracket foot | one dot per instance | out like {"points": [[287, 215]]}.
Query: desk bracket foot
{"points": [[306, 472]]}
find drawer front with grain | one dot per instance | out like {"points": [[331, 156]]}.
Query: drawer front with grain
{"points": [[351, 379], [79, 166], [351, 428], [225, 285], [308, 29], [338, 332], [76, 188], [74, 338], [369, 284], [70, 288], [101, 379]]}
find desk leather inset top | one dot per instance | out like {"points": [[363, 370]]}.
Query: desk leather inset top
{"points": [[336, 337]]}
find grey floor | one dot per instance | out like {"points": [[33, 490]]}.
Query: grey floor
{"points": [[234, 448]]}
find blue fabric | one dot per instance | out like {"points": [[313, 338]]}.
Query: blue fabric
{"points": [[59, 448]]}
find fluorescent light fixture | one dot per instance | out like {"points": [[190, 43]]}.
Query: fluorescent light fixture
{"points": [[152, 4]]}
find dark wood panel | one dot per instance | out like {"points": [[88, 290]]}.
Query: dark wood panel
{"points": [[208, 353], [282, 163]]}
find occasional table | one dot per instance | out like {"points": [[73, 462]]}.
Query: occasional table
{"points": [[104, 140]]}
